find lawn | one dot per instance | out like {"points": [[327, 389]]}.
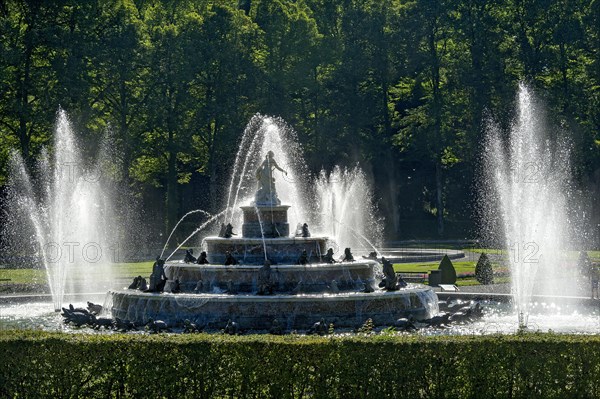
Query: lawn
{"points": [[425, 267], [132, 269], [491, 251], [22, 276], [464, 268], [465, 271], [594, 255], [119, 270]]}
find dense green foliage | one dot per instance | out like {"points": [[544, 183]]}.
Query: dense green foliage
{"points": [[36, 364], [401, 86]]}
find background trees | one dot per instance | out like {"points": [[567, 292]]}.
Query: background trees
{"points": [[401, 86]]}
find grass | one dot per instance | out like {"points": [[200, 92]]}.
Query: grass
{"points": [[132, 269], [421, 267], [119, 270], [573, 255], [461, 282], [460, 267], [491, 251], [127, 270], [594, 255], [22, 276]]}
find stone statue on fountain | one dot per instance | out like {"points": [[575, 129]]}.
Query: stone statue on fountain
{"points": [[158, 278], [265, 285], [202, 259], [266, 194]]}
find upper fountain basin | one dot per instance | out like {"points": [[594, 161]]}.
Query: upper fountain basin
{"points": [[248, 250]]}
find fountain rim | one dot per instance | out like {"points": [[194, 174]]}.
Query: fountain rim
{"points": [[259, 240], [263, 207], [287, 267]]}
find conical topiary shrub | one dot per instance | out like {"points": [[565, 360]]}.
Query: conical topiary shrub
{"points": [[447, 271], [483, 270], [584, 263]]}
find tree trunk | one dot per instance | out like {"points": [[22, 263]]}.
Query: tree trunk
{"points": [[439, 198], [479, 97], [212, 184], [389, 155], [393, 192], [24, 84], [436, 109], [171, 200], [124, 130], [564, 74]]}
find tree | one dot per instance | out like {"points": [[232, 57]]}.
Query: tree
{"points": [[27, 29], [173, 29], [120, 69], [402, 87], [426, 125], [292, 56], [483, 270], [225, 90], [447, 271]]}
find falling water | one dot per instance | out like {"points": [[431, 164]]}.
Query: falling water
{"points": [[338, 205], [528, 180], [360, 237], [265, 134], [262, 232], [177, 224], [199, 229], [345, 209], [70, 210], [241, 160]]}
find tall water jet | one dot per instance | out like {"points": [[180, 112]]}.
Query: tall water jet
{"points": [[345, 210], [265, 134], [338, 204], [68, 209], [527, 174]]}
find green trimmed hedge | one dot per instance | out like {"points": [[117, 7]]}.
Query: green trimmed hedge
{"points": [[38, 364]]}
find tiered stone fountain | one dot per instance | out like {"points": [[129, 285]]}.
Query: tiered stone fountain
{"points": [[344, 293]]}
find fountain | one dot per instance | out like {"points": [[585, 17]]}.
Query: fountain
{"points": [[69, 212], [268, 274], [260, 273], [528, 181]]}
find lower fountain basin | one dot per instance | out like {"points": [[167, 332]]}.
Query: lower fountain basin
{"points": [[252, 312], [420, 255]]}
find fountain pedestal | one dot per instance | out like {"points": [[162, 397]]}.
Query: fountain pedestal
{"points": [[269, 221], [252, 250]]}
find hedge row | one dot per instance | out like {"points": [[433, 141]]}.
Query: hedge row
{"points": [[38, 364]]}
